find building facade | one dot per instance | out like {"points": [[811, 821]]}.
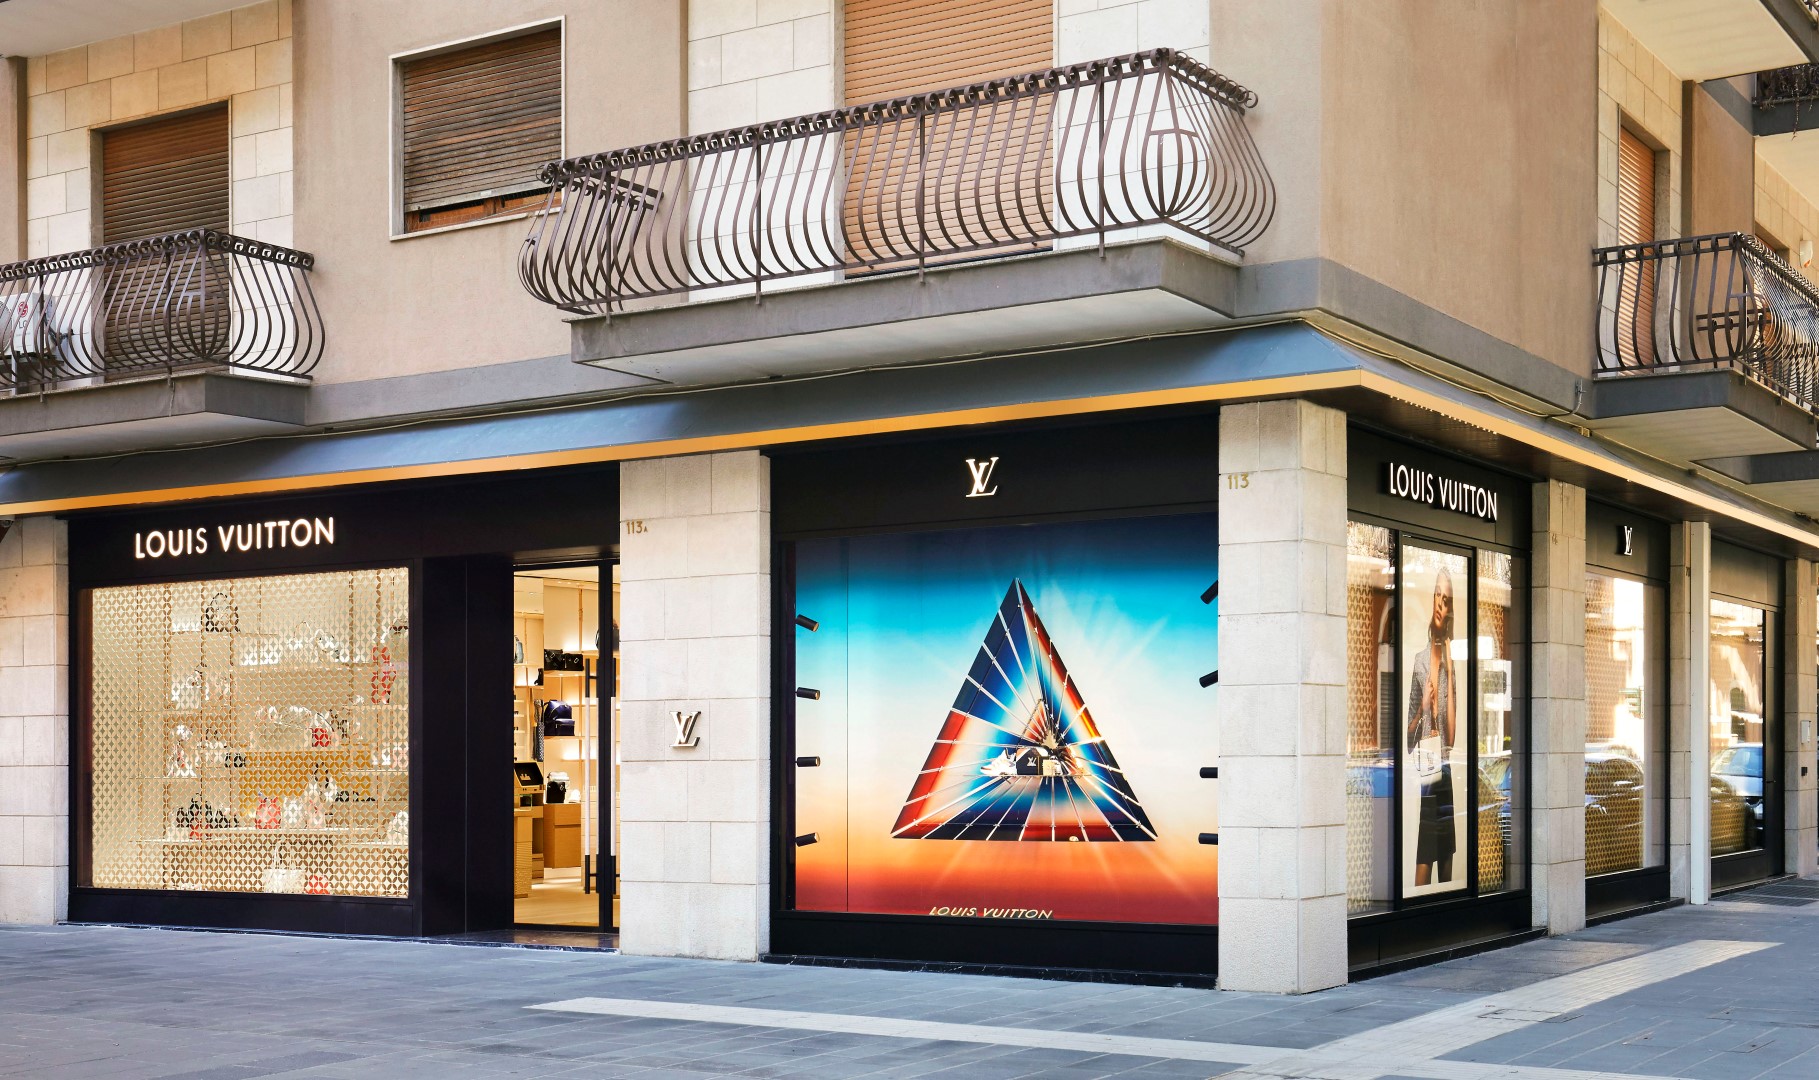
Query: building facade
{"points": [[1171, 490]]}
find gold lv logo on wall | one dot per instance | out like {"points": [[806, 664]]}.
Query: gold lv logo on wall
{"points": [[686, 739], [982, 475]]}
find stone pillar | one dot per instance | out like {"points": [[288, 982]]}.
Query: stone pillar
{"points": [[1689, 611], [34, 722], [1800, 715], [1557, 730], [1282, 704], [694, 637]]}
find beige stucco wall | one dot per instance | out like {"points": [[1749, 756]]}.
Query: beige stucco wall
{"points": [[1459, 164], [12, 166], [1721, 157], [242, 56], [450, 299]]}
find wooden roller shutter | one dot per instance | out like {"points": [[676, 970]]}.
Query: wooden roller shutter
{"points": [[165, 176], [478, 124], [1636, 225], [898, 47]]}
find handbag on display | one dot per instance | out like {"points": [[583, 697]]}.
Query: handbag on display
{"points": [[1429, 759], [316, 885], [557, 791], [315, 808], [557, 660], [269, 814], [558, 718], [279, 878], [220, 616], [292, 816]]}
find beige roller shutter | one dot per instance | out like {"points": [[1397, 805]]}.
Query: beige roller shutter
{"points": [[1636, 225], [898, 47], [477, 125], [165, 176]]}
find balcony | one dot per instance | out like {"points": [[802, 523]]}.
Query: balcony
{"points": [[1714, 331], [1718, 39], [196, 334], [1102, 199]]}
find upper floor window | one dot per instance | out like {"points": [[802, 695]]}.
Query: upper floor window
{"points": [[476, 124], [165, 175]]}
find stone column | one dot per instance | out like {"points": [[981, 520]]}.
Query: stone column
{"points": [[1557, 727], [1282, 704], [1689, 611], [1800, 704], [694, 637], [34, 722]]}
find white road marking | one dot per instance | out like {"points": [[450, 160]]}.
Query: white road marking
{"points": [[1413, 1047]]}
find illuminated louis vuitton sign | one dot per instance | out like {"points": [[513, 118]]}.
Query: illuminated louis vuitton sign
{"points": [[1442, 492], [247, 536]]}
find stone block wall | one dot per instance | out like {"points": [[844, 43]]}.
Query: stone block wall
{"points": [[694, 636], [34, 722]]}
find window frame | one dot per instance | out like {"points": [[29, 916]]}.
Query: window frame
{"points": [[395, 161]]}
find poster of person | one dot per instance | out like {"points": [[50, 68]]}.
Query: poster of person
{"points": [[1436, 786], [1010, 722]]}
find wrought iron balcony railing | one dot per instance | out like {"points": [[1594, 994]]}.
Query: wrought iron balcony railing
{"points": [[1797, 85], [198, 300], [1005, 167], [1707, 302]]}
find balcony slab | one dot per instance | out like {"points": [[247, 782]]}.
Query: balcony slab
{"points": [[147, 414], [1058, 298], [1717, 39], [36, 27], [1699, 415]]}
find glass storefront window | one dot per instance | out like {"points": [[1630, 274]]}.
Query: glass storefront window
{"points": [[1624, 794], [252, 735], [1738, 670], [1501, 753], [1370, 765]]}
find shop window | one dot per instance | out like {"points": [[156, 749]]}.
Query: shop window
{"points": [[1436, 778], [477, 126], [1370, 767], [1738, 671], [1008, 723], [251, 735], [1624, 750]]}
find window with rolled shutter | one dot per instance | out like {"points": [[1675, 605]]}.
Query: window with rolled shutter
{"points": [[477, 125], [1636, 225], [894, 48], [165, 176]]}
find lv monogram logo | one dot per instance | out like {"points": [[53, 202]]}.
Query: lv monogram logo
{"points": [[686, 739], [1629, 539], [982, 475]]}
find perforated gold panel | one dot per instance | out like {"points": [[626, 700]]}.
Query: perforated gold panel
{"points": [[1370, 580], [251, 734]]}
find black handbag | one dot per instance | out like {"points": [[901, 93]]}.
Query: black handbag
{"points": [[557, 660], [557, 718], [557, 793]]}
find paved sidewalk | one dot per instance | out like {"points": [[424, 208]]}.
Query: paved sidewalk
{"points": [[1726, 991]]}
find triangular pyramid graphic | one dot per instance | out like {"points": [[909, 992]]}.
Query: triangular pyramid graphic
{"points": [[1019, 757]]}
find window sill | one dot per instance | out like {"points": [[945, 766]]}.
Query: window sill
{"points": [[483, 222]]}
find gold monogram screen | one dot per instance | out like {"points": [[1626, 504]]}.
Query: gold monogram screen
{"points": [[252, 734]]}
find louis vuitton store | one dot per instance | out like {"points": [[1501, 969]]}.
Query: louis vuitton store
{"points": [[297, 713]]}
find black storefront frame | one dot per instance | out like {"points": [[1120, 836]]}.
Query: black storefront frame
{"points": [[1421, 929], [1635, 891], [1183, 954], [459, 541], [1755, 865]]}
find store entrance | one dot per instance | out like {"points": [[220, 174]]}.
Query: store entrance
{"points": [[564, 813]]}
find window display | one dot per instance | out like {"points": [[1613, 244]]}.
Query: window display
{"points": [[1370, 766], [1009, 723], [1500, 781], [252, 734], [1433, 721], [1738, 662], [1623, 735]]}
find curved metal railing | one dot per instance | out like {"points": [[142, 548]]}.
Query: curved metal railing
{"points": [[191, 300], [1001, 167], [1701, 302]]}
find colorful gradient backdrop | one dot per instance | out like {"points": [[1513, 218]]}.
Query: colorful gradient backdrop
{"points": [[902, 616]]}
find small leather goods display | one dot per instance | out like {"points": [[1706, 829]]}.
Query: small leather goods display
{"points": [[557, 791], [558, 719], [557, 660]]}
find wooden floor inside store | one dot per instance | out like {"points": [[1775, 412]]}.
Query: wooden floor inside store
{"points": [[557, 900]]}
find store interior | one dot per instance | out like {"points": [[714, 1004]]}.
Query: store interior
{"points": [[560, 655]]}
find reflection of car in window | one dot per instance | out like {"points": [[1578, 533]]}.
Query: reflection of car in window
{"points": [[1614, 788], [1376, 780], [1739, 769]]}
